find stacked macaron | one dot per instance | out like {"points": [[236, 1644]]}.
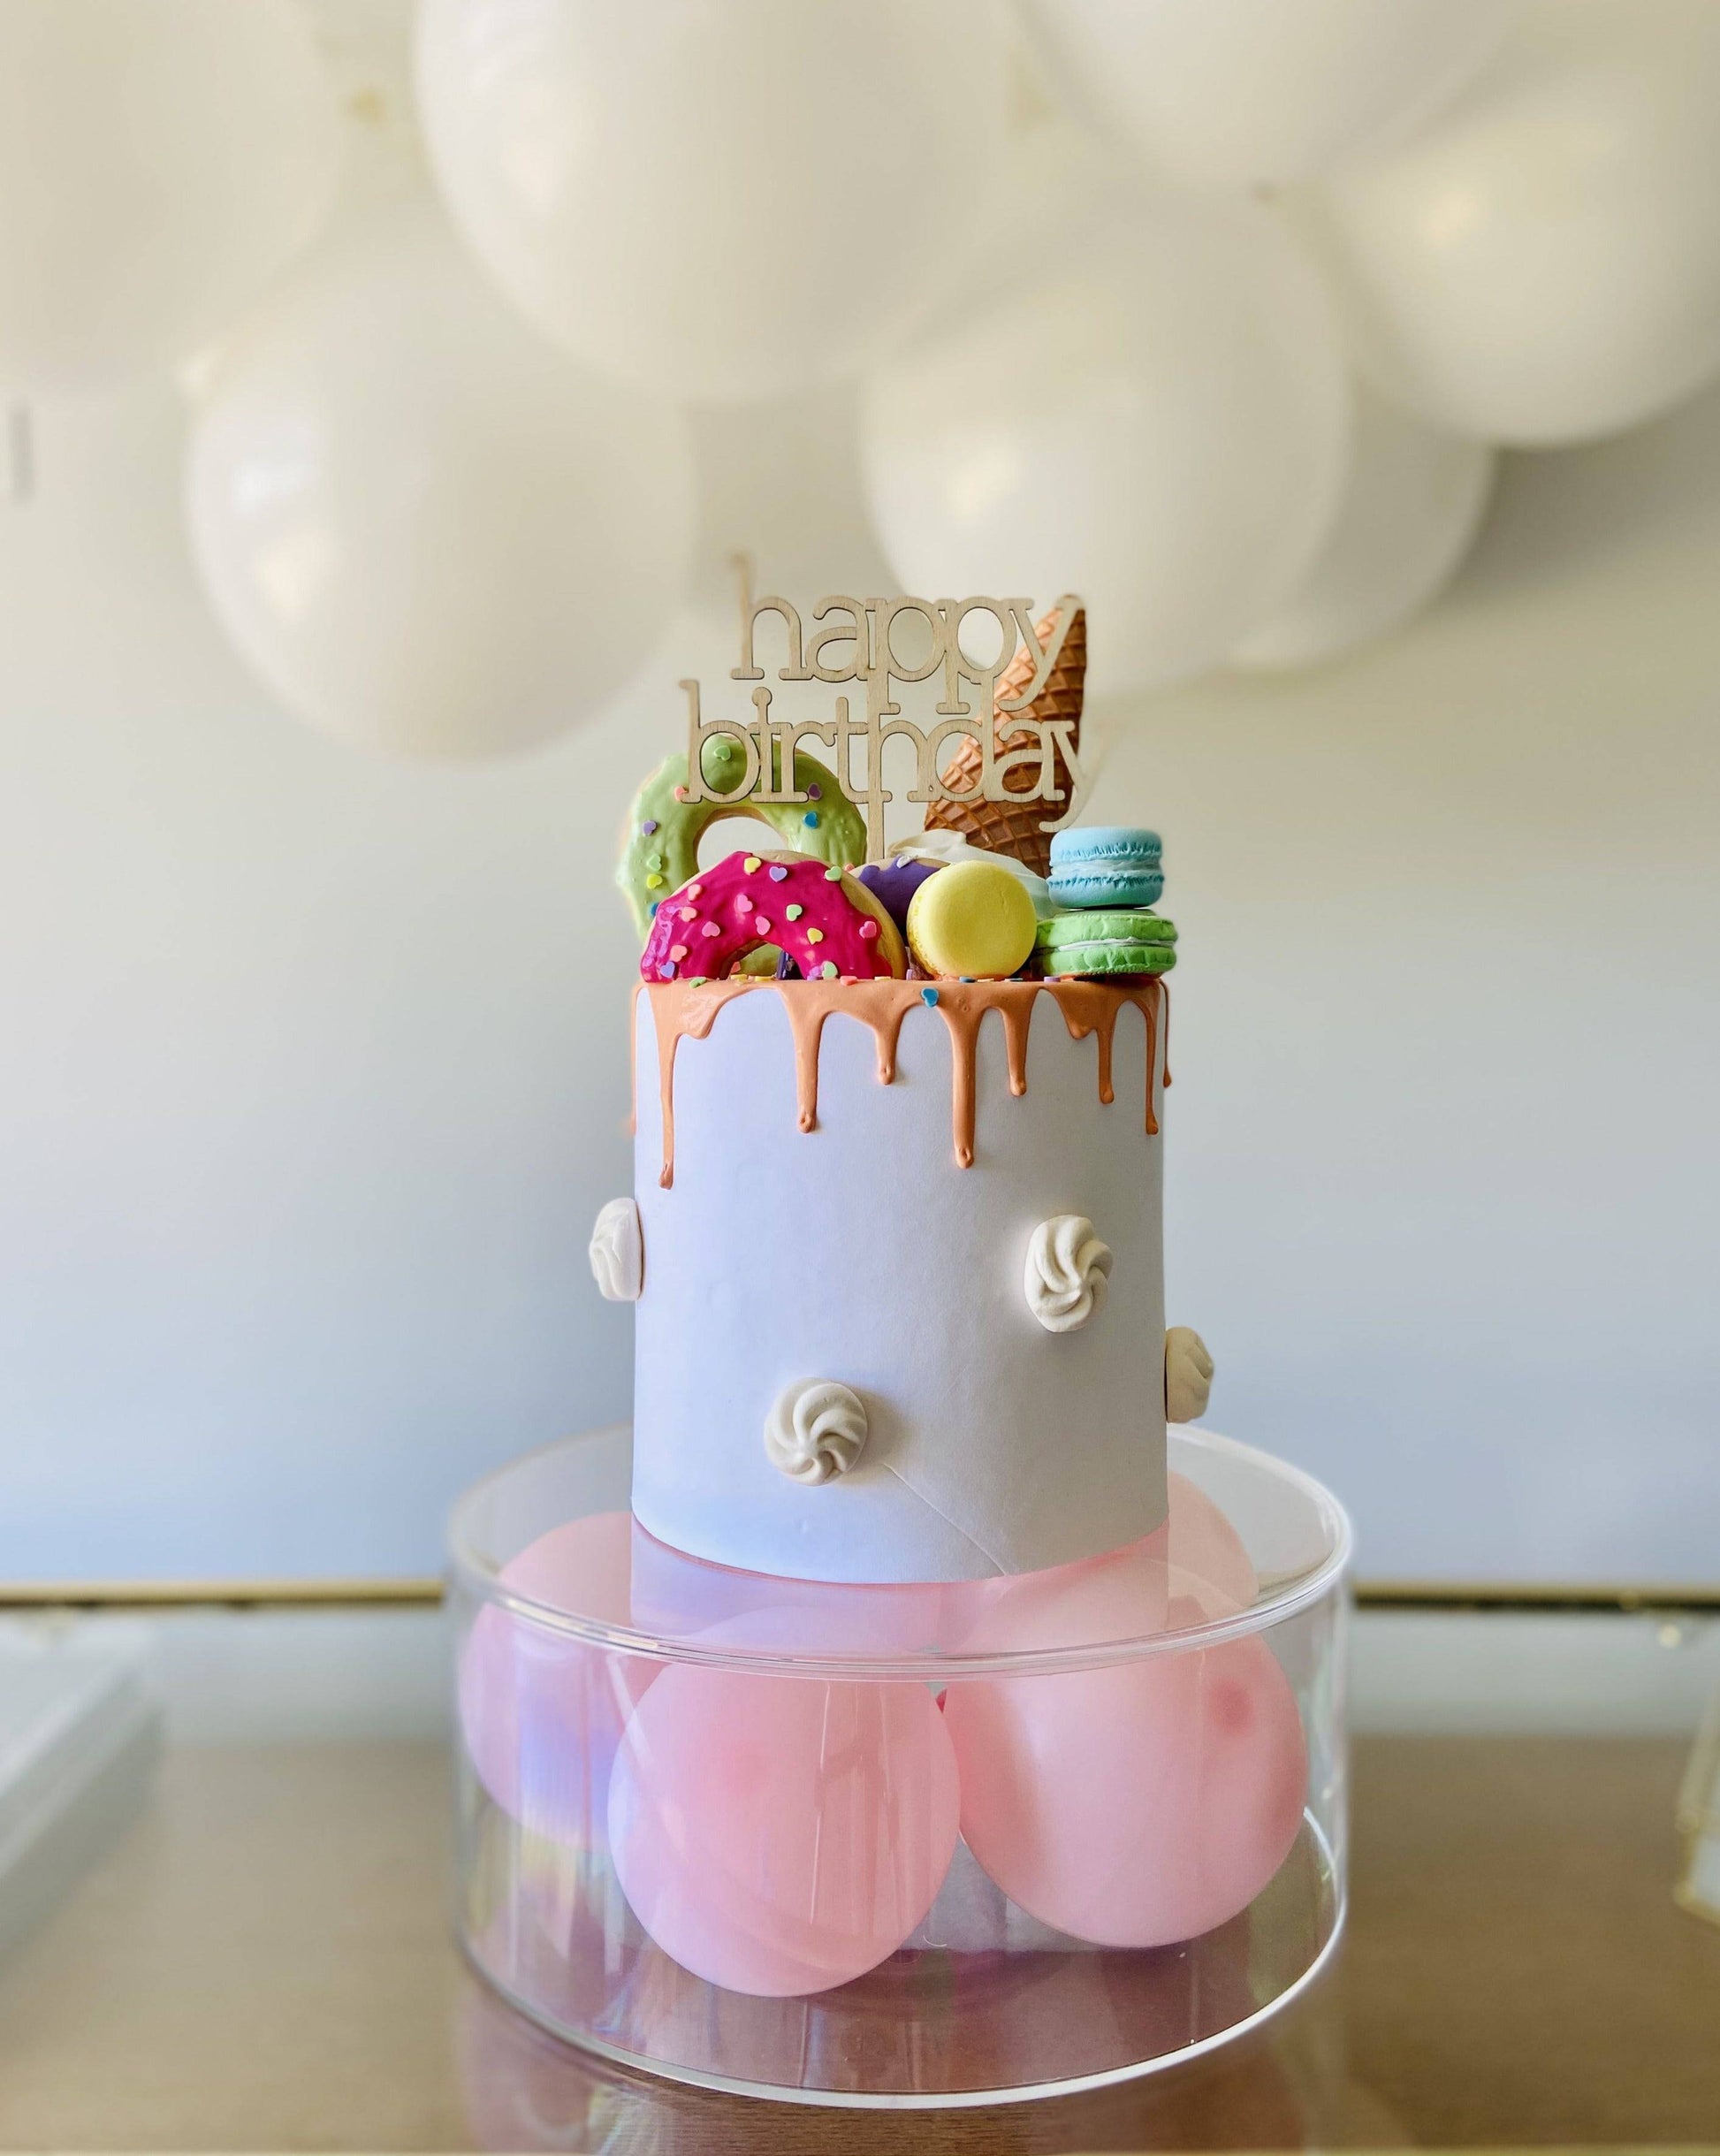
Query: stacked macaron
{"points": [[1104, 882]]}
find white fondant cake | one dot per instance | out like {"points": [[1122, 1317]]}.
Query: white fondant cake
{"points": [[858, 1359]]}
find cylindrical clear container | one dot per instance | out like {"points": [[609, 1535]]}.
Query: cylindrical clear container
{"points": [[900, 1846]]}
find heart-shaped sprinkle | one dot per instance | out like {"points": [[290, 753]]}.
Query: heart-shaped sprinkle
{"points": [[928, 996], [815, 935], [653, 860], [751, 864], [649, 827], [828, 969], [687, 913], [655, 903], [667, 972], [811, 819], [693, 889], [793, 912], [677, 951], [743, 902], [653, 883], [761, 925], [815, 792], [698, 980], [779, 874], [832, 875], [868, 930], [711, 929], [681, 793]]}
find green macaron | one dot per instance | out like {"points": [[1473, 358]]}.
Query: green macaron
{"points": [[1092, 944]]}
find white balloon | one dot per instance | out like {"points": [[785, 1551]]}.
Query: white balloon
{"points": [[722, 201], [158, 165], [422, 527], [1232, 93], [1157, 420], [1543, 264], [779, 488], [1413, 504]]}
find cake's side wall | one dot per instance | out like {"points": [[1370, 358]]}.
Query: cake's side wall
{"points": [[861, 1252]]}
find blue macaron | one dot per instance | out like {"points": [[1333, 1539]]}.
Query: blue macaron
{"points": [[1105, 864]]}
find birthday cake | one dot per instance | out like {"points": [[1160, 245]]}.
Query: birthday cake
{"points": [[895, 1240], [912, 1650]]}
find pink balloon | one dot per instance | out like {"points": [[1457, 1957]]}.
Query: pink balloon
{"points": [[1122, 1596], [1206, 1550], [541, 1713], [1136, 1805], [779, 1835]]}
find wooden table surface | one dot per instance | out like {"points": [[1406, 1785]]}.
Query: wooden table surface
{"points": [[263, 1962]]}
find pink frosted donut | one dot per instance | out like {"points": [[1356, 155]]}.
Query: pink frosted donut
{"points": [[825, 918]]}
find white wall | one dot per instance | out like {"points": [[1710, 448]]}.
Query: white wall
{"points": [[314, 1067]]}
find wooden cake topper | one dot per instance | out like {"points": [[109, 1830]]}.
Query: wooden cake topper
{"points": [[1011, 719]]}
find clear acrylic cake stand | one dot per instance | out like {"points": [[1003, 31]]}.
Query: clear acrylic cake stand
{"points": [[982, 2001]]}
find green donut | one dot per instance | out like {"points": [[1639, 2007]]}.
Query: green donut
{"points": [[661, 848]]}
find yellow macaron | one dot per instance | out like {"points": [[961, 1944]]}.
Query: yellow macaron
{"points": [[971, 921]]}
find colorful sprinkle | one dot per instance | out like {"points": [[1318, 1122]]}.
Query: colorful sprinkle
{"points": [[811, 819], [687, 913], [698, 980], [751, 864], [793, 912], [667, 972], [815, 792], [653, 860], [743, 902], [832, 875], [711, 928], [828, 969], [655, 903], [681, 793], [653, 883], [868, 930], [779, 874], [649, 827], [815, 935], [677, 951], [928, 996], [693, 889], [761, 924]]}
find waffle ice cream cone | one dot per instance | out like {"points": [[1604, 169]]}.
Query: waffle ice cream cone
{"points": [[1009, 826]]}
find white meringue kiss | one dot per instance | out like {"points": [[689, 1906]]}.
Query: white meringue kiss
{"points": [[1066, 1273], [618, 1251], [1188, 1375], [816, 1431]]}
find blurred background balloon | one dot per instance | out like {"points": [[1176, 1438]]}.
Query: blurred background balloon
{"points": [[1412, 507], [1232, 93], [158, 165], [722, 201], [1542, 264], [1158, 419], [423, 528]]}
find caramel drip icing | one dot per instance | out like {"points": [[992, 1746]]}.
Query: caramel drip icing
{"points": [[679, 1009], [687, 1010], [1092, 1007], [1164, 1001], [881, 1004], [963, 1005]]}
